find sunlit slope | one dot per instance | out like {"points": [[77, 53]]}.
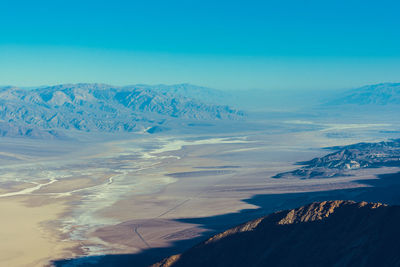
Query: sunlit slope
{"points": [[49, 111]]}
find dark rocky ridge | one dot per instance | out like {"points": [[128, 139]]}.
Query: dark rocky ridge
{"points": [[329, 233], [347, 158]]}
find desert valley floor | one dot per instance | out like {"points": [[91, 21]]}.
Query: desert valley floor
{"points": [[142, 197]]}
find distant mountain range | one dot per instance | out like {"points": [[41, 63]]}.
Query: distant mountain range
{"points": [[200, 93], [55, 111], [49, 111], [347, 158], [376, 94], [329, 233]]}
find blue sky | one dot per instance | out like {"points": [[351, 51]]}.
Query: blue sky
{"points": [[294, 45]]}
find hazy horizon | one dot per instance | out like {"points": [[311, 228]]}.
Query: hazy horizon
{"points": [[297, 45]]}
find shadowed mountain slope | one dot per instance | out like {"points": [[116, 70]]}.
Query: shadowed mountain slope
{"points": [[329, 233]]}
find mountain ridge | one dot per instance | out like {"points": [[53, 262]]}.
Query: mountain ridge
{"points": [[347, 158], [328, 233], [100, 107], [380, 94]]}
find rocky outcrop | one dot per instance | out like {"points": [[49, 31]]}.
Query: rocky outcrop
{"points": [[347, 158], [329, 233]]}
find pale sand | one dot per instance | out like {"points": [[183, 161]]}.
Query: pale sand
{"points": [[26, 237]]}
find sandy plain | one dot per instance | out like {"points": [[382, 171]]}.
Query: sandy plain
{"points": [[28, 238]]}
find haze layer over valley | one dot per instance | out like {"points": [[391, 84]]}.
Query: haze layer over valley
{"points": [[130, 175]]}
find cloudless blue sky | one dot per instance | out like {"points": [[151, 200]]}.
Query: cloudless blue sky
{"points": [[282, 44]]}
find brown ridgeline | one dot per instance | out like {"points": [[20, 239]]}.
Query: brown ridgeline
{"points": [[329, 233]]}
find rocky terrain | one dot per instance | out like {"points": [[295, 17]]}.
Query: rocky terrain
{"points": [[347, 158], [50, 111], [329, 233]]}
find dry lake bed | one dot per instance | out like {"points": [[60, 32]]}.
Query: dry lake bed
{"points": [[145, 196]]}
